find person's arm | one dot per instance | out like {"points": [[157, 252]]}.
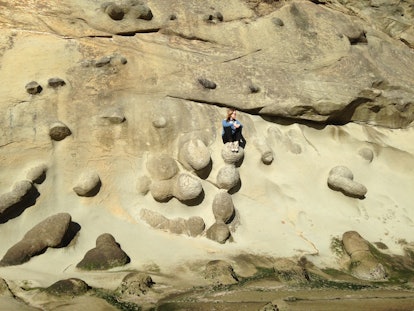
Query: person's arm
{"points": [[226, 123], [237, 124]]}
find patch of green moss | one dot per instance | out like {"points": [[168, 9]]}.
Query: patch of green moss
{"points": [[262, 273], [337, 247], [400, 269], [114, 299], [317, 281]]}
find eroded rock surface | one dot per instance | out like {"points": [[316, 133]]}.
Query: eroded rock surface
{"points": [[69, 287], [51, 232], [136, 284], [220, 272], [363, 263], [192, 226]]}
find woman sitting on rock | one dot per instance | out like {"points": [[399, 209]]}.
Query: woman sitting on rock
{"points": [[232, 130]]}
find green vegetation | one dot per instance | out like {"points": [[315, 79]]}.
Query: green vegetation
{"points": [[114, 300], [337, 247]]}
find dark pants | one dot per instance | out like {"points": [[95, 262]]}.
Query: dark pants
{"points": [[228, 136]]}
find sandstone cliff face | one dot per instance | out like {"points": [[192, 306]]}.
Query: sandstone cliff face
{"points": [[92, 86]]}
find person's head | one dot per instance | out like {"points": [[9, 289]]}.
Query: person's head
{"points": [[231, 114]]}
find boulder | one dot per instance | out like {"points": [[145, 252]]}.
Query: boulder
{"points": [[88, 184], [135, 284], [162, 167], [230, 157], [37, 174], [51, 232], [56, 82], [14, 202], [106, 255], [228, 177], [194, 155], [68, 287], [33, 88], [161, 190], [341, 179], [223, 208], [363, 263], [220, 272], [186, 187], [219, 232], [59, 131]]}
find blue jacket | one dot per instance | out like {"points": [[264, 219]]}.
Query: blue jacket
{"points": [[231, 123]]}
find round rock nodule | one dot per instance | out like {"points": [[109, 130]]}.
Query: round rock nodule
{"points": [[59, 131], [33, 88], [88, 184]]}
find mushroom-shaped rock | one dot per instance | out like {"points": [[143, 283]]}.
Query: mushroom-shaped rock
{"points": [[51, 232], [136, 284], [59, 131], [366, 153], [228, 177], [265, 150], [37, 174], [186, 187], [69, 287], [229, 156], [106, 255], [194, 155], [341, 179], [220, 272], [363, 263], [56, 82], [33, 88], [88, 184], [218, 232], [114, 115], [162, 167], [223, 208]]}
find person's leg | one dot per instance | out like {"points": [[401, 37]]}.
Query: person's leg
{"points": [[227, 136]]}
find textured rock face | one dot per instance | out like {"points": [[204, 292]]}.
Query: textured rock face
{"points": [[363, 264], [135, 91], [220, 272], [136, 283]]}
